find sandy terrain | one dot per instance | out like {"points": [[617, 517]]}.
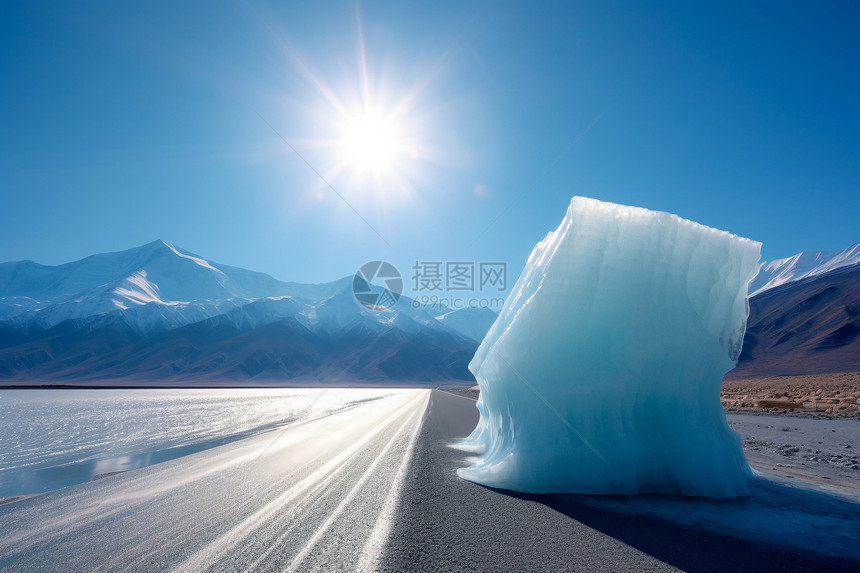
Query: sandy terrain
{"points": [[832, 395]]}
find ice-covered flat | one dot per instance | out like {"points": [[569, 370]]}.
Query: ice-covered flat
{"points": [[314, 495], [54, 438]]}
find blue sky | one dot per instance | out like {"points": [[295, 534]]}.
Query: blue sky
{"points": [[123, 122]]}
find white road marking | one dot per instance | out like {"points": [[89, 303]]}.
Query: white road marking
{"points": [[372, 550], [211, 553], [351, 495]]}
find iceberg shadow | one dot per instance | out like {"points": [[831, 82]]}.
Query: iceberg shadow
{"points": [[779, 527]]}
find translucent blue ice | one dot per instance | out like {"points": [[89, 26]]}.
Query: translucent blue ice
{"points": [[602, 373]]}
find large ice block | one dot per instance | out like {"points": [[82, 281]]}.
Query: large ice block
{"points": [[602, 373]]}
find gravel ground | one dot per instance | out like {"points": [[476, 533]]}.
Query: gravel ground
{"points": [[835, 395]]}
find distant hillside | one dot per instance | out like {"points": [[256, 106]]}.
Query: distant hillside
{"points": [[805, 326]]}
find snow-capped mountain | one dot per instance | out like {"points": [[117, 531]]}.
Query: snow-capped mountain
{"points": [[806, 326], [804, 316], [158, 284], [159, 311], [802, 265], [177, 275]]}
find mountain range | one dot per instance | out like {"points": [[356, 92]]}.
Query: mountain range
{"points": [[804, 316], [161, 315], [801, 266], [810, 325]]}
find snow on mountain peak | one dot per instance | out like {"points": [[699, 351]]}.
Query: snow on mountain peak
{"points": [[137, 289], [176, 274], [157, 273], [203, 263], [802, 265], [159, 286]]}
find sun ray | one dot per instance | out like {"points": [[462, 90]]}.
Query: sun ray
{"points": [[369, 122]]}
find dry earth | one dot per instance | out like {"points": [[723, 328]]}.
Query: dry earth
{"points": [[834, 395]]}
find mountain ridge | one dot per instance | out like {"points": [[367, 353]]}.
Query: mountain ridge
{"points": [[800, 266], [807, 326], [161, 311], [31, 279]]}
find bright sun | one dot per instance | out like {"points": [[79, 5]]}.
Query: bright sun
{"points": [[371, 136], [370, 142]]}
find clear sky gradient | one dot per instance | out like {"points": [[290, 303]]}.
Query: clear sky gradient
{"points": [[124, 122]]}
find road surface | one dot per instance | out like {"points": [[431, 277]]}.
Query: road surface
{"points": [[370, 488], [314, 497]]}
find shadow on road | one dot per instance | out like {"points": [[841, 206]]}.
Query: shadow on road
{"points": [[699, 549]]}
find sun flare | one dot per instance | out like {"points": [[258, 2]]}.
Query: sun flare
{"points": [[370, 136], [370, 142]]}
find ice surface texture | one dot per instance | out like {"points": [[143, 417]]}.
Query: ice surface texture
{"points": [[602, 373]]}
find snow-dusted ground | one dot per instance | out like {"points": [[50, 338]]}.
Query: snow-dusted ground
{"points": [[56, 438], [817, 450], [806, 494]]}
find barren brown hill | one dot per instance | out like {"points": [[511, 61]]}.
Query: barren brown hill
{"points": [[810, 326]]}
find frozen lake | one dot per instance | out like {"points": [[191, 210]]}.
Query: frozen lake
{"points": [[55, 438]]}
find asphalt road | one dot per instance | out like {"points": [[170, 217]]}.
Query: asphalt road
{"points": [[370, 488], [314, 497]]}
